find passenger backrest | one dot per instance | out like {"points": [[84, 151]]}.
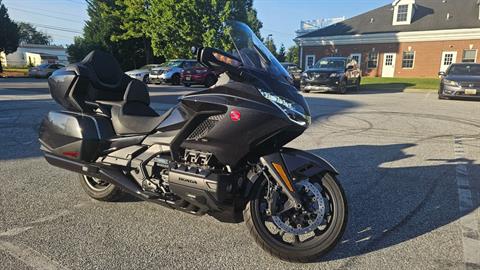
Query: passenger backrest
{"points": [[137, 91], [97, 77]]}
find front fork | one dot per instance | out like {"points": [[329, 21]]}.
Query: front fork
{"points": [[276, 167]]}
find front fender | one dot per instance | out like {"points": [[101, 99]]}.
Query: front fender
{"points": [[302, 163], [298, 164]]}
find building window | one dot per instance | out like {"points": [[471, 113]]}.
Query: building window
{"points": [[309, 61], [372, 60], [469, 56], [402, 13], [408, 59]]}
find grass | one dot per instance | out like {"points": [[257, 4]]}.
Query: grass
{"points": [[400, 83]]}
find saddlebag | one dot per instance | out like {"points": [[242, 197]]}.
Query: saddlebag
{"points": [[75, 135]]}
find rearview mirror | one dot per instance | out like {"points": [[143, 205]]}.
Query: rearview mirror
{"points": [[218, 60], [441, 73]]}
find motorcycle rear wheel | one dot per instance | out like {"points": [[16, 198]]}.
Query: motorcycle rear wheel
{"points": [[100, 190], [306, 249]]}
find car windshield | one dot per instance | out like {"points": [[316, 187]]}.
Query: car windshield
{"points": [[253, 52], [330, 64], [171, 64], [472, 70]]}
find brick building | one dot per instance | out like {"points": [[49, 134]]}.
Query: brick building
{"points": [[409, 38]]}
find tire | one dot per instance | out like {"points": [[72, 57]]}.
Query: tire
{"points": [[187, 85], [358, 84], [342, 87], [176, 79], [101, 192], [300, 251], [145, 79], [210, 80]]}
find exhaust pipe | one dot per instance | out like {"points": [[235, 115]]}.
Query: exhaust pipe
{"points": [[109, 174]]}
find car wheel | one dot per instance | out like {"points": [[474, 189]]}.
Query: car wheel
{"points": [[357, 85], [210, 80], [342, 87], [176, 79], [187, 85], [146, 79]]}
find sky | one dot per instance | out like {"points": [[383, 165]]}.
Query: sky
{"points": [[64, 19]]}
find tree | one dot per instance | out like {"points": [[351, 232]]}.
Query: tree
{"points": [[174, 26], [270, 44], [281, 56], [29, 34], [102, 32], [8, 33], [292, 55]]}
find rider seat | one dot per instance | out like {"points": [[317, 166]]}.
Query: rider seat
{"points": [[134, 115]]}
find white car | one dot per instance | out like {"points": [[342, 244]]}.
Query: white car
{"points": [[141, 74]]}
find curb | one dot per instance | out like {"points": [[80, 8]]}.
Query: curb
{"points": [[407, 90]]}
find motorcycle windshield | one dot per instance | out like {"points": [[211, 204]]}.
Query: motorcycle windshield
{"points": [[254, 54]]}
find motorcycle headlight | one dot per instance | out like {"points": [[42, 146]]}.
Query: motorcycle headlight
{"points": [[295, 112], [451, 83]]}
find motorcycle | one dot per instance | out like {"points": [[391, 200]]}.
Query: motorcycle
{"points": [[219, 151]]}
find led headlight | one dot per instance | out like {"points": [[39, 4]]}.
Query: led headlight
{"points": [[294, 111], [451, 83]]}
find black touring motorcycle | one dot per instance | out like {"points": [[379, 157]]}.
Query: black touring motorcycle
{"points": [[218, 152]]}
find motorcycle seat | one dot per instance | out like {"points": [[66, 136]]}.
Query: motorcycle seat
{"points": [[134, 115]]}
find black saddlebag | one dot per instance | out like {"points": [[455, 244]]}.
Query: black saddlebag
{"points": [[75, 135]]}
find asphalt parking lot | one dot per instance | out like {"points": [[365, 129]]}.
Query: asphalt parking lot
{"points": [[409, 164]]}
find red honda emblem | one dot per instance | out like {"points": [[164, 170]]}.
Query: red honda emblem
{"points": [[235, 115]]}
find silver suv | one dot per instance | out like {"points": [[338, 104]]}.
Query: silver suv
{"points": [[170, 71]]}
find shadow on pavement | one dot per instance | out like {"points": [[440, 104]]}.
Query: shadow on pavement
{"points": [[389, 206]]}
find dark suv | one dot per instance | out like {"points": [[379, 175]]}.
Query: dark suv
{"points": [[332, 74]]}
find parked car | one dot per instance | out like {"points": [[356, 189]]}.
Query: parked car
{"points": [[460, 81], [199, 74], [170, 71], [142, 74], [294, 71], [44, 70], [332, 74]]}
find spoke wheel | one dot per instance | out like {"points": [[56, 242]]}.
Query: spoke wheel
{"points": [[300, 235]]}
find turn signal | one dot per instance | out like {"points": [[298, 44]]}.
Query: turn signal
{"points": [[283, 175]]}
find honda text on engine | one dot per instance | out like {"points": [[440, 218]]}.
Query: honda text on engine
{"points": [[218, 152]]}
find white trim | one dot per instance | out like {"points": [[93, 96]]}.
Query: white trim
{"points": [[436, 35], [359, 62], [391, 72], [454, 59], [408, 20], [306, 60]]}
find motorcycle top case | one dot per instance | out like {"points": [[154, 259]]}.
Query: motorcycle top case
{"points": [[75, 135]]}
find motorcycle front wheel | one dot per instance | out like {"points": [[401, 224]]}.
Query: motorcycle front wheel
{"points": [[303, 235]]}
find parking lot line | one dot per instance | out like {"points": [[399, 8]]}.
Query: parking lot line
{"points": [[468, 223], [30, 257]]}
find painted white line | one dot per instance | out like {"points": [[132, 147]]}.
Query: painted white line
{"points": [[51, 217], [468, 222], [15, 231], [30, 257]]}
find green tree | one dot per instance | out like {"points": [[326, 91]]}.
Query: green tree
{"points": [[29, 34], [174, 26], [8, 33], [293, 55], [270, 44], [281, 56], [102, 32]]}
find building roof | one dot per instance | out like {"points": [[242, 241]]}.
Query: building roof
{"points": [[429, 15]]}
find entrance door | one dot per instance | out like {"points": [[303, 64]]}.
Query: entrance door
{"points": [[388, 69], [448, 58], [357, 57]]}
